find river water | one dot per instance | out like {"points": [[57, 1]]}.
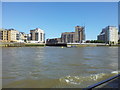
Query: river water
{"points": [[56, 67]]}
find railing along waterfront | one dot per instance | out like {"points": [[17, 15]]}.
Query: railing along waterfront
{"points": [[103, 82]]}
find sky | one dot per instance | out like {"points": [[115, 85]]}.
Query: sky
{"points": [[119, 16], [58, 17]]}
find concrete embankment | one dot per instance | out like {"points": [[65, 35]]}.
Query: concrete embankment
{"points": [[89, 45], [34, 44], [20, 44], [43, 44], [80, 45]]}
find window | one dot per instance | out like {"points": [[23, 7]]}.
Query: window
{"points": [[36, 36], [41, 36]]}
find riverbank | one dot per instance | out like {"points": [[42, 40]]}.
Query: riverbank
{"points": [[43, 44], [91, 45], [21, 44]]}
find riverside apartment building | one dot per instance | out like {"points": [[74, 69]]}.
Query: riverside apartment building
{"points": [[109, 35]]}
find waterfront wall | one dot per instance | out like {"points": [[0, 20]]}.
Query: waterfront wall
{"points": [[21, 44], [60, 44]]}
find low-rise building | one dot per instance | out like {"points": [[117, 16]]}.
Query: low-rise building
{"points": [[13, 35], [9, 35], [109, 35], [119, 37], [53, 41], [79, 34], [28, 37], [74, 37], [68, 37], [22, 37], [37, 35], [102, 36], [3, 35], [0, 34]]}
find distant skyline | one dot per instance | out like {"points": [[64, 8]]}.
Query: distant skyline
{"points": [[58, 17]]}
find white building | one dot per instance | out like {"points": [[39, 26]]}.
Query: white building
{"points": [[37, 36], [22, 37], [110, 35], [119, 37]]}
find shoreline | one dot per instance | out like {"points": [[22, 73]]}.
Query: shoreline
{"points": [[22, 45], [44, 45]]}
